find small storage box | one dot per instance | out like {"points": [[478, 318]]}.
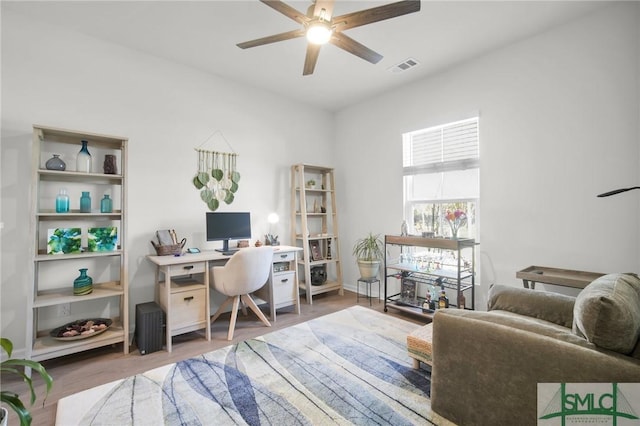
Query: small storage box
{"points": [[149, 327]]}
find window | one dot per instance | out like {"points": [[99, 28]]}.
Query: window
{"points": [[441, 168]]}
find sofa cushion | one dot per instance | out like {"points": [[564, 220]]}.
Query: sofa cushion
{"points": [[547, 306], [607, 312]]}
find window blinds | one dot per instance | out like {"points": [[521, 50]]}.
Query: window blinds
{"points": [[452, 146]]}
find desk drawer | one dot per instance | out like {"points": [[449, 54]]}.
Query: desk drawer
{"points": [[188, 268], [284, 287], [187, 307], [283, 257]]}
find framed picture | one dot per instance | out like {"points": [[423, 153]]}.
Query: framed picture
{"points": [[316, 254], [408, 290], [102, 239], [64, 240]]}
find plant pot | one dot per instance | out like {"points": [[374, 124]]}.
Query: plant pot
{"points": [[369, 268]]}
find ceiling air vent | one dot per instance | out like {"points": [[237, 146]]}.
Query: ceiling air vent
{"points": [[403, 66]]}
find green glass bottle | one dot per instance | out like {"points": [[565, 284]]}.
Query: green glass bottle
{"points": [[106, 204], [85, 202]]}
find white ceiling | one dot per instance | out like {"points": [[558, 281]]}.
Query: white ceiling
{"points": [[203, 35]]}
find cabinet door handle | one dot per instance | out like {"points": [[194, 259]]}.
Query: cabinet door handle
{"points": [[284, 280], [188, 299], [283, 256], [188, 267]]}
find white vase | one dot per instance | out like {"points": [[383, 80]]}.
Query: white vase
{"points": [[83, 160]]}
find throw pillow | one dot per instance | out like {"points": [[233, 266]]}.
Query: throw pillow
{"points": [[607, 312]]}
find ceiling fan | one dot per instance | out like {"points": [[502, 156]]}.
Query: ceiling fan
{"points": [[320, 27]]}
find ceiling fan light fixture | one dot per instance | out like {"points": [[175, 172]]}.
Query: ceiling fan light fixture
{"points": [[319, 32], [320, 26]]}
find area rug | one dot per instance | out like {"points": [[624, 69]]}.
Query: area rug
{"points": [[349, 367]]}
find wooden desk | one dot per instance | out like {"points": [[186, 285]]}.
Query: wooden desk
{"points": [[555, 276], [182, 288]]}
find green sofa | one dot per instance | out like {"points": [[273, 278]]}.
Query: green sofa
{"points": [[486, 365]]}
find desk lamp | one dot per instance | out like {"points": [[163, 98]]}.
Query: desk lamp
{"points": [[270, 239]]}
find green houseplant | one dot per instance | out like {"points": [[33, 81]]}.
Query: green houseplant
{"points": [[14, 366], [369, 253]]}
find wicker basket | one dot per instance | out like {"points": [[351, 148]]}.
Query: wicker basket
{"points": [[169, 250]]}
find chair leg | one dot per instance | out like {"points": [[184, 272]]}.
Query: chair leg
{"points": [[252, 305], [234, 316], [221, 309], [243, 307]]}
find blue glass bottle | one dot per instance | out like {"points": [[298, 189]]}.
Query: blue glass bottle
{"points": [[62, 202], [83, 160], [85, 202], [106, 204]]}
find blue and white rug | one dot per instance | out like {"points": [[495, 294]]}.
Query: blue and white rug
{"points": [[349, 367]]}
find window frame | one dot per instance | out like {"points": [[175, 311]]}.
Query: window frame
{"points": [[442, 168]]}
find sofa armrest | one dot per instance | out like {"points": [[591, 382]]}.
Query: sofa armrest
{"points": [[553, 307], [486, 373]]}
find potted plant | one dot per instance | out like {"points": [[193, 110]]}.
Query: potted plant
{"points": [[12, 399], [311, 184], [369, 252]]}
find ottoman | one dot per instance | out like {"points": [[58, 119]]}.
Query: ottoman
{"points": [[419, 345]]}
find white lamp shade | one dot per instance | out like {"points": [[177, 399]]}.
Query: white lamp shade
{"points": [[319, 32]]}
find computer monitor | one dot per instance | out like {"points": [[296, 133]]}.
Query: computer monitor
{"points": [[225, 226]]}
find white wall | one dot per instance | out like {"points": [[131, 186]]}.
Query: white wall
{"points": [[559, 115], [57, 78], [558, 125]]}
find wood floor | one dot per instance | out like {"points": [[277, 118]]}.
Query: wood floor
{"points": [[78, 372]]}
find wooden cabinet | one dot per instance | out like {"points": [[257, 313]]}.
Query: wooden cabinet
{"points": [[182, 291], [314, 228], [422, 264], [282, 288], [51, 300]]}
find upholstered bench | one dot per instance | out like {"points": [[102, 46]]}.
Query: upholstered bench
{"points": [[419, 345]]}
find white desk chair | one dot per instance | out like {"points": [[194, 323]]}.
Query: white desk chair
{"points": [[245, 272]]}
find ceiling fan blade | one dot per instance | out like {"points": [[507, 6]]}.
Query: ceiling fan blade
{"points": [[313, 50], [345, 42], [271, 39], [375, 14], [287, 10], [327, 5]]}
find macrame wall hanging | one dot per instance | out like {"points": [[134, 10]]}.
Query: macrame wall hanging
{"points": [[217, 178]]}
